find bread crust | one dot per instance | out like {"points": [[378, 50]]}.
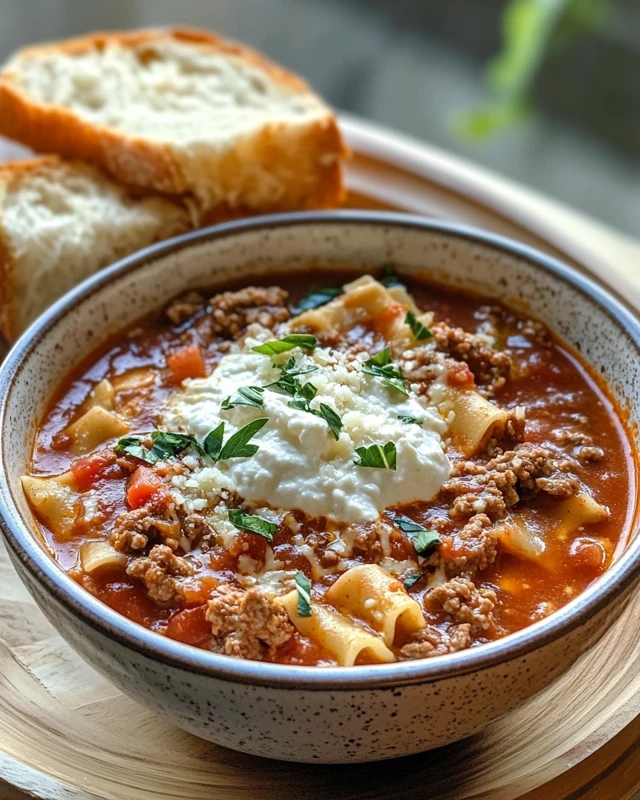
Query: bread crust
{"points": [[311, 177]]}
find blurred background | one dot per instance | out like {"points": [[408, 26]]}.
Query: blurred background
{"points": [[558, 109]]}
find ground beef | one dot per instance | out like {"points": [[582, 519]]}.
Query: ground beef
{"points": [[582, 444], [185, 307], [474, 547], [421, 365], [536, 469], [194, 527], [232, 312], [490, 367], [366, 544], [589, 454], [160, 571], [431, 641], [247, 624], [493, 488], [464, 603], [157, 521]]}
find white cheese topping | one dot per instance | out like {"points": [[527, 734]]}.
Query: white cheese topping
{"points": [[299, 463]]}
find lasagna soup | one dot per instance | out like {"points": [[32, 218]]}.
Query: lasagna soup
{"points": [[360, 474]]}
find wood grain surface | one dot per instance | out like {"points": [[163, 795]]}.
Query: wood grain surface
{"points": [[67, 734]]}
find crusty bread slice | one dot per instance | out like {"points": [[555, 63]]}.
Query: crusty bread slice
{"points": [[181, 112], [61, 221]]}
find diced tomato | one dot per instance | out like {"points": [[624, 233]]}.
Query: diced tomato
{"points": [[186, 363], [459, 374], [386, 319], [143, 485], [588, 554], [190, 626], [89, 469]]}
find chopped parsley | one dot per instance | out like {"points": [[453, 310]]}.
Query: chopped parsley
{"points": [[303, 393], [252, 524], [164, 445], [380, 365], [276, 346], [390, 277], [424, 541], [410, 420], [420, 331], [411, 580], [330, 417], [303, 585], [381, 456], [237, 445], [316, 297], [245, 396]]}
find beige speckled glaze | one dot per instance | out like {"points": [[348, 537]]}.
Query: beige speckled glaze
{"points": [[299, 713]]}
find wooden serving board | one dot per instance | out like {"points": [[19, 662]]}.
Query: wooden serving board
{"points": [[66, 733]]}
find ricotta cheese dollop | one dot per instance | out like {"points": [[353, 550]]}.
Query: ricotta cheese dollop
{"points": [[299, 463]]}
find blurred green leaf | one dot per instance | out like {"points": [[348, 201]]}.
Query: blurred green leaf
{"points": [[530, 28]]}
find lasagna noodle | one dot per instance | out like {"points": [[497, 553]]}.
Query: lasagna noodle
{"points": [[366, 300], [56, 501], [475, 420], [370, 594], [336, 634]]}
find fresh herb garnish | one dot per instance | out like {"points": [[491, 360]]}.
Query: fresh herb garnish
{"points": [[292, 368], [213, 442], [165, 445], [411, 580], [330, 417], [390, 276], [316, 297], [252, 523], [303, 585], [245, 396], [303, 393], [420, 331], [424, 541], [410, 420], [237, 445], [382, 456], [380, 365], [276, 346]]}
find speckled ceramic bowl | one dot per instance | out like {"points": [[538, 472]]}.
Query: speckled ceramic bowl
{"points": [[302, 713]]}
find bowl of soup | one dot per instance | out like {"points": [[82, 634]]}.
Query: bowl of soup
{"points": [[327, 487]]}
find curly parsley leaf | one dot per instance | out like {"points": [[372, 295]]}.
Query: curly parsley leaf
{"points": [[390, 276], [380, 365], [410, 420], [237, 446], [424, 541], [276, 346], [420, 331], [316, 297], [245, 396], [380, 456], [253, 524], [303, 585]]}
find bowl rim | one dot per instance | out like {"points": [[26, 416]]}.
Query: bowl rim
{"points": [[24, 547]]}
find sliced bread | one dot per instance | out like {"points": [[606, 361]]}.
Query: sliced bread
{"points": [[62, 221], [180, 112]]}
